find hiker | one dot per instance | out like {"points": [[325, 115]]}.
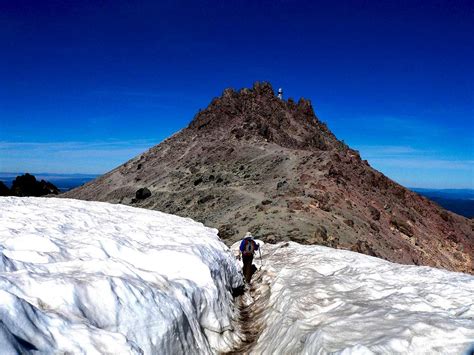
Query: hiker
{"points": [[248, 247]]}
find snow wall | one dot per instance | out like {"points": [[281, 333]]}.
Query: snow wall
{"points": [[328, 301], [90, 277]]}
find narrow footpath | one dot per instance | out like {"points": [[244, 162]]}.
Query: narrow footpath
{"points": [[251, 306]]}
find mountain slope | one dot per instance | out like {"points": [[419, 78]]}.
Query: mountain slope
{"points": [[250, 161]]}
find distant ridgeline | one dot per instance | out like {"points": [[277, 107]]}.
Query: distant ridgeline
{"points": [[27, 185], [460, 201]]}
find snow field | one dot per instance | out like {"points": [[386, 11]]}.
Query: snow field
{"points": [[90, 277], [326, 301]]}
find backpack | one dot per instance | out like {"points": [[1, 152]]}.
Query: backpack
{"points": [[249, 247]]}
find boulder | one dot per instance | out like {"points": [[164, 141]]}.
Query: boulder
{"points": [[142, 193]]}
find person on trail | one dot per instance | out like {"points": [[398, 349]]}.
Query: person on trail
{"points": [[248, 247]]}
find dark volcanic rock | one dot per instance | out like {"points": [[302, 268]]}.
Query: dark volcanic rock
{"points": [[47, 188], [142, 193], [375, 213], [4, 190], [282, 185], [260, 148], [27, 185]]}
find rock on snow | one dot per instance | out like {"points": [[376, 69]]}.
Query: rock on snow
{"points": [[89, 277]]}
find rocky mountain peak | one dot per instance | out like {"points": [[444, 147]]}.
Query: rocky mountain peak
{"points": [[253, 162], [259, 114]]}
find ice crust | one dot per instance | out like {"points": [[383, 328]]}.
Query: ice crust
{"points": [[91, 277], [325, 300]]}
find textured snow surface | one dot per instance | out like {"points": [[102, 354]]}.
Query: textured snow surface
{"points": [[89, 277], [324, 300]]}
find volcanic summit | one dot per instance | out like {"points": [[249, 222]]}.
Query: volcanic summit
{"points": [[253, 162]]}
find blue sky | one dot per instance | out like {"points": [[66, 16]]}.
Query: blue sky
{"points": [[86, 85]]}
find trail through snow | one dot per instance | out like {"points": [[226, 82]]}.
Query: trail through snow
{"points": [[251, 305], [324, 301], [90, 277]]}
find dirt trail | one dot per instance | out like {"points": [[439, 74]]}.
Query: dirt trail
{"points": [[252, 305]]}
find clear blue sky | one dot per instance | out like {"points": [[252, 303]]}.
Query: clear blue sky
{"points": [[86, 85]]}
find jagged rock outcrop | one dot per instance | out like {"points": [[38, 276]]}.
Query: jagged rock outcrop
{"points": [[253, 162], [4, 190], [27, 185]]}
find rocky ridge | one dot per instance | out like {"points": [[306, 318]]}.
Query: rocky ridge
{"points": [[27, 185], [253, 162]]}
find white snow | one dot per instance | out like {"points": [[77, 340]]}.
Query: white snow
{"points": [[89, 277], [324, 300]]}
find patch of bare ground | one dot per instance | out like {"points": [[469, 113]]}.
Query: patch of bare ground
{"points": [[251, 305]]}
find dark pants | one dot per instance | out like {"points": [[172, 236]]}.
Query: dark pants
{"points": [[247, 269]]}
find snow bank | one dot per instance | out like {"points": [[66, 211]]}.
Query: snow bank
{"points": [[89, 277], [326, 300]]}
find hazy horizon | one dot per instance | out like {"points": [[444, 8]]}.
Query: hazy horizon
{"points": [[43, 175]]}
